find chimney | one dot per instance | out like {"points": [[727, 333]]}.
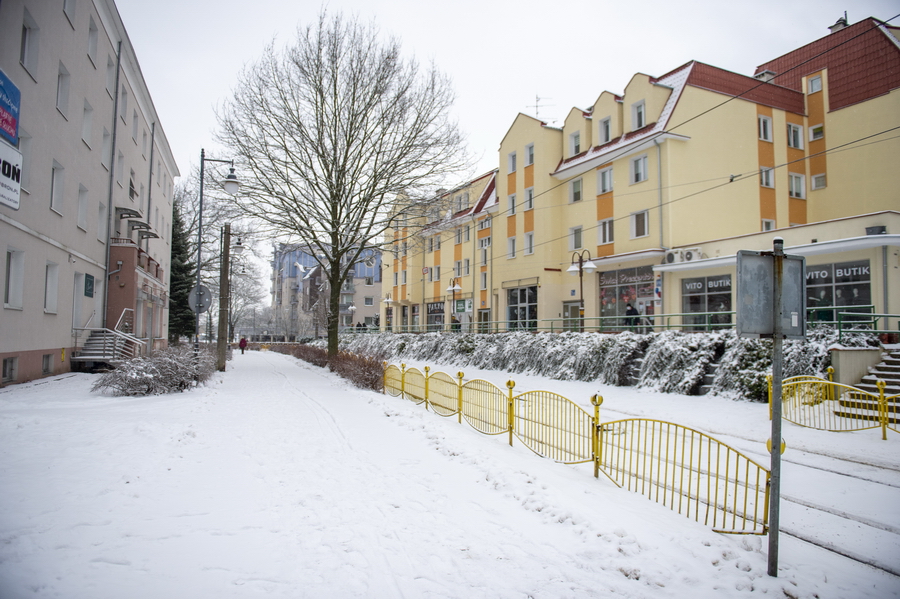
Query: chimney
{"points": [[839, 24], [766, 76]]}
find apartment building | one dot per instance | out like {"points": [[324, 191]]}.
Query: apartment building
{"points": [[659, 186], [87, 241], [300, 294]]}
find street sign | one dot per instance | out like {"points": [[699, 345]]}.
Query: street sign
{"points": [[756, 292], [200, 301]]}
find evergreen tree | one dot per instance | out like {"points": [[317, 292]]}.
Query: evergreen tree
{"points": [[181, 317]]}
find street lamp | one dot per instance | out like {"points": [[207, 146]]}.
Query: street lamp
{"points": [[388, 325], [231, 185], [352, 310], [580, 266], [453, 288], [225, 293]]}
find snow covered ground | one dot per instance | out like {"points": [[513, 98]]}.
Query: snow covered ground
{"points": [[278, 479]]}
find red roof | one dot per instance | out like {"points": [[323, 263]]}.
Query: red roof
{"points": [[750, 89], [863, 62]]}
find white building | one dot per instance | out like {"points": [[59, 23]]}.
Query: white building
{"points": [[96, 176]]}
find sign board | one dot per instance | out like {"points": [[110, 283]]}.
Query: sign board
{"points": [[200, 299], [10, 176], [756, 295], [10, 102], [463, 306]]}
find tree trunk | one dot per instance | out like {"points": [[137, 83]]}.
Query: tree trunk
{"points": [[334, 307]]}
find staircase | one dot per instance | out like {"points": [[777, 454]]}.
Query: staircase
{"points": [[863, 406], [107, 346], [708, 378]]}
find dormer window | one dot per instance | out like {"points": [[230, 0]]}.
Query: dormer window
{"points": [[575, 142], [814, 85], [638, 115]]}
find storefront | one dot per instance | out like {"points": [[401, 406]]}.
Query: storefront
{"points": [[435, 313], [521, 307], [618, 288], [707, 297], [841, 284]]}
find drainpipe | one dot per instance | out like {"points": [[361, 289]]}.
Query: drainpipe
{"points": [[659, 189], [884, 277], [150, 182], [110, 209]]}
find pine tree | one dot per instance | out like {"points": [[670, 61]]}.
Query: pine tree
{"points": [[181, 317]]}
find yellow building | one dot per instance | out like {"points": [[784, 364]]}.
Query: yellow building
{"points": [[658, 188]]}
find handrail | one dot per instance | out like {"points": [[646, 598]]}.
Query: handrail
{"points": [[122, 317]]}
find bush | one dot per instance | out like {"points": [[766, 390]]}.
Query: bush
{"points": [[167, 371], [366, 372]]}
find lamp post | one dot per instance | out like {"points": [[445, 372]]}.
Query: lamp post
{"points": [[580, 266], [453, 288], [352, 309], [388, 324], [231, 185], [225, 294]]}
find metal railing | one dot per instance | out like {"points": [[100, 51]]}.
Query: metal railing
{"points": [[116, 344], [822, 404], [842, 318], [692, 473]]}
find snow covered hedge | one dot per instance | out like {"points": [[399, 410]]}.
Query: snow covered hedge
{"points": [[670, 361], [169, 370]]}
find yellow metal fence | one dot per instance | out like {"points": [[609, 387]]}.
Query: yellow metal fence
{"points": [[690, 472], [822, 404]]}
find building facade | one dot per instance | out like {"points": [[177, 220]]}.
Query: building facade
{"points": [[661, 185], [300, 295], [88, 244]]}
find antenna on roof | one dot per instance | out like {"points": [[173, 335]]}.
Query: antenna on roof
{"points": [[538, 105]]}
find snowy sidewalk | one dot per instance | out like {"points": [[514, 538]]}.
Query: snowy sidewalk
{"points": [[278, 479]]}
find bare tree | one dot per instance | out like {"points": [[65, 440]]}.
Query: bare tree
{"points": [[333, 131]]}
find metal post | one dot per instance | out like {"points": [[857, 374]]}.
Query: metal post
{"points": [[510, 413], [222, 341], [777, 368], [199, 245]]}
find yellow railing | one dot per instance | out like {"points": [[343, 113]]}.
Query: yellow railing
{"points": [[688, 471], [825, 405]]}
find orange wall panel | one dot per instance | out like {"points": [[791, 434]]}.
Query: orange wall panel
{"points": [[528, 217], [511, 226], [529, 176]]}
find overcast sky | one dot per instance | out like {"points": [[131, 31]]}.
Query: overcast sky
{"points": [[500, 54]]}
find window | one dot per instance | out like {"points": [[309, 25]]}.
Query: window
{"points": [[575, 142], [484, 223], [106, 152], [28, 50], [62, 89], [605, 180], [82, 207], [640, 224], [47, 364], [437, 273], [25, 149], [101, 223], [512, 204], [465, 267], [467, 235], [123, 103], [14, 278], [638, 115], [132, 190], [639, 169], [437, 244], [512, 162], [796, 186], [69, 9], [484, 243], [511, 248], [767, 177], [575, 238], [92, 41], [605, 231], [529, 243], [521, 306], [110, 75], [10, 368], [605, 132], [141, 199], [795, 136], [768, 224], [51, 287], [134, 125], [370, 281], [395, 279], [144, 143], [120, 167], [765, 128], [815, 85], [816, 132], [457, 268], [368, 301], [529, 154], [403, 280], [57, 183], [529, 199], [458, 235], [87, 122], [818, 182], [484, 280], [462, 202], [575, 191], [429, 247]]}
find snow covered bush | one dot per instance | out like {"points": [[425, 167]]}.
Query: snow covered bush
{"points": [[363, 371], [670, 361], [168, 370]]}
